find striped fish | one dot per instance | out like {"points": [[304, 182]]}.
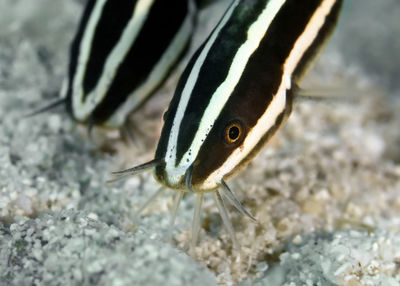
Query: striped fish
{"points": [[122, 52], [235, 93]]}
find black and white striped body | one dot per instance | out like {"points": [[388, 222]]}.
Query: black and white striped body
{"points": [[244, 75], [122, 52]]}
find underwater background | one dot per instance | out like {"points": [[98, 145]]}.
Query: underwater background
{"points": [[325, 190]]}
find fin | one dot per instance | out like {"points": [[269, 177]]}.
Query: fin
{"points": [[136, 170], [201, 4], [90, 127], [196, 220], [189, 179], [127, 133], [225, 218], [234, 201], [324, 93], [177, 200], [45, 108]]}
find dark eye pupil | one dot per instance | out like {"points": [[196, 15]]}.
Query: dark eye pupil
{"points": [[234, 133]]}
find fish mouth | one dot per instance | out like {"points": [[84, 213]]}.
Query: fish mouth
{"points": [[172, 179], [183, 180], [179, 182]]}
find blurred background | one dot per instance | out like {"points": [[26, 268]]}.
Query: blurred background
{"points": [[367, 39], [46, 167]]}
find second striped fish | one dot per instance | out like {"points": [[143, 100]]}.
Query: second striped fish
{"points": [[122, 51]]}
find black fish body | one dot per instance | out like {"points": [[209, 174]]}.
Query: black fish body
{"points": [[122, 51], [238, 88]]}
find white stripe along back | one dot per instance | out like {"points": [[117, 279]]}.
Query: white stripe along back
{"points": [[234, 94], [186, 93], [257, 31], [277, 105], [165, 63], [83, 108], [121, 54]]}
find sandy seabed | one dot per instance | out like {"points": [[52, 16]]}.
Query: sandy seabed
{"points": [[325, 190]]}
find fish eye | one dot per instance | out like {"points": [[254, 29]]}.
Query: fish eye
{"points": [[233, 132]]}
